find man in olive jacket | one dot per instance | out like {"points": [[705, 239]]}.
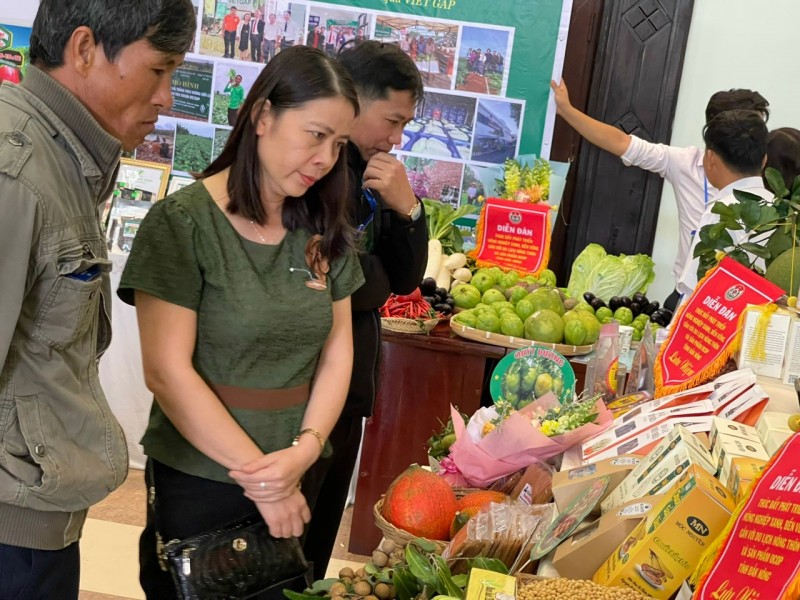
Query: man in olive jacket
{"points": [[394, 239], [100, 75]]}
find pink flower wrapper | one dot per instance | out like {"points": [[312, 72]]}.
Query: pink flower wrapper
{"points": [[516, 444]]}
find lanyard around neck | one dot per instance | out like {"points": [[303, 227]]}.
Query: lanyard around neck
{"points": [[373, 205]]}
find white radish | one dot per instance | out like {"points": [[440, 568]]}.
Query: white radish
{"points": [[434, 259], [443, 278], [455, 261], [463, 275]]}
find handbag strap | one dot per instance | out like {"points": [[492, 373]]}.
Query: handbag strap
{"points": [[151, 506]]}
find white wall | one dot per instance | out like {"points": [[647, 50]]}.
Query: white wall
{"points": [[18, 12], [732, 44]]}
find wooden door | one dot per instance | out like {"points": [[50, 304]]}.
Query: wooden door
{"points": [[634, 87]]}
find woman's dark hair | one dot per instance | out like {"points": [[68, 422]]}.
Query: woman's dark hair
{"points": [[169, 26], [739, 138], [377, 68], [737, 99], [783, 153], [297, 75]]}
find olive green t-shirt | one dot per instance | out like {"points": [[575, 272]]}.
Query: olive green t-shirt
{"points": [[258, 325]]}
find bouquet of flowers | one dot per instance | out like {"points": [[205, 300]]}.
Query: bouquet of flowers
{"points": [[499, 440], [524, 183]]}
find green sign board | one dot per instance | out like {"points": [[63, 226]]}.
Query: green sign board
{"points": [[534, 39], [191, 89]]}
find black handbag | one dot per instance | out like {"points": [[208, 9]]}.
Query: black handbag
{"points": [[238, 561]]}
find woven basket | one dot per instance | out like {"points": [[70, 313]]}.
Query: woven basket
{"points": [[399, 325], [401, 537]]}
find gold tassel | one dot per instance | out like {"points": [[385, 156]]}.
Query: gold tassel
{"points": [[758, 347]]}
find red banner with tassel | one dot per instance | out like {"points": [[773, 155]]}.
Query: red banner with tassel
{"points": [[513, 235], [705, 333]]}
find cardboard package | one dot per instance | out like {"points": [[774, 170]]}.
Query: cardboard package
{"points": [[731, 448], [665, 547], [773, 430], [580, 555], [488, 585], [567, 485], [731, 428], [658, 479], [743, 472]]}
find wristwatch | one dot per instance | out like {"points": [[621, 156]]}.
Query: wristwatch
{"points": [[415, 212]]}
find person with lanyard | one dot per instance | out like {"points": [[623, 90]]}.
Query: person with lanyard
{"points": [[394, 251], [681, 167], [230, 25], [236, 98], [734, 157], [289, 33]]}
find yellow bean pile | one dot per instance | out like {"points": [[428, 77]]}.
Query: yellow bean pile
{"points": [[574, 589]]}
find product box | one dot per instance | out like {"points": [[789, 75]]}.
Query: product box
{"points": [[580, 555], [658, 479], [731, 448], [731, 428], [743, 472], [769, 363], [567, 485], [642, 441], [773, 430], [745, 407], [664, 548], [488, 585], [752, 447]]}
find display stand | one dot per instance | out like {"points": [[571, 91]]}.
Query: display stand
{"points": [[420, 375]]}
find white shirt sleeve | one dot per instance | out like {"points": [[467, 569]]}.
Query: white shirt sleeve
{"points": [[667, 161]]}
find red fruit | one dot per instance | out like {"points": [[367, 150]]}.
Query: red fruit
{"points": [[480, 499], [421, 503], [8, 73]]}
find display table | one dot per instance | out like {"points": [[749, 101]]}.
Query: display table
{"points": [[420, 377]]}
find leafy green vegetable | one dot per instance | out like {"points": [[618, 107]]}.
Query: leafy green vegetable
{"points": [[606, 275], [441, 220]]}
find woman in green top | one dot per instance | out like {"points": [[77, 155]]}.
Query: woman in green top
{"points": [[236, 91], [241, 284]]}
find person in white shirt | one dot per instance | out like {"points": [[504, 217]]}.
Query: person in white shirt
{"points": [[681, 167], [271, 34], [735, 155], [289, 31]]}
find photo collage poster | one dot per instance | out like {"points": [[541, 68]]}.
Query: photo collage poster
{"points": [[465, 125], [14, 52]]}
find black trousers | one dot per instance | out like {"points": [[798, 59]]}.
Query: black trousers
{"points": [[230, 44], [233, 113], [326, 485], [255, 44], [187, 505], [672, 300], [27, 574]]}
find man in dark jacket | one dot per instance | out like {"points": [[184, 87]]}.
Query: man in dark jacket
{"points": [[395, 249], [256, 36]]}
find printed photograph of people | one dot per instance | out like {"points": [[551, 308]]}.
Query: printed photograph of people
{"points": [[497, 130], [430, 44], [232, 81], [291, 19], [250, 30], [159, 146], [482, 60], [434, 179], [330, 28], [479, 183], [443, 126]]}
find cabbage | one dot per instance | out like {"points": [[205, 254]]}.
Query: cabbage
{"points": [[607, 278], [640, 274], [606, 275], [581, 267]]}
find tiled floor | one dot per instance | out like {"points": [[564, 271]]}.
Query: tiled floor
{"points": [[109, 561]]}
